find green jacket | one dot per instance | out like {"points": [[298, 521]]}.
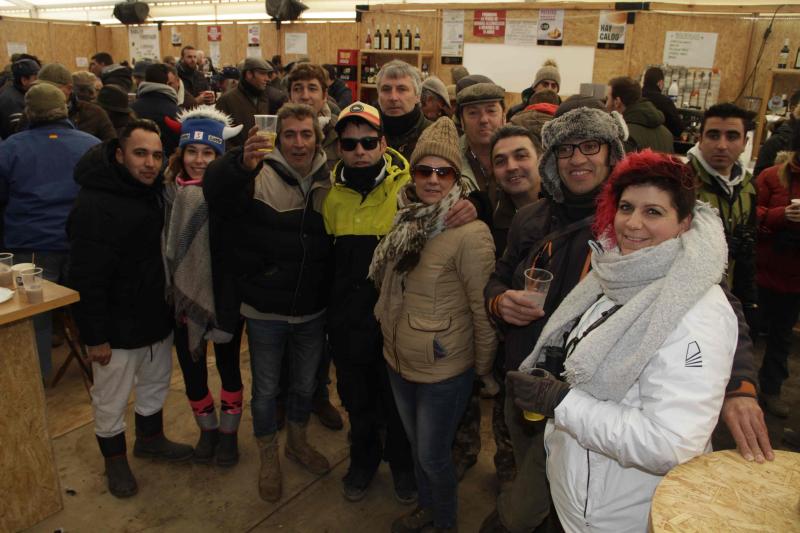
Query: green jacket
{"points": [[646, 127], [738, 214]]}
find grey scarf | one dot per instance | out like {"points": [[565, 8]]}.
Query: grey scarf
{"points": [[414, 224], [188, 260], [656, 287]]}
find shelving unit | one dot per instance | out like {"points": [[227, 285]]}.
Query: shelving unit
{"points": [[762, 112], [413, 57]]}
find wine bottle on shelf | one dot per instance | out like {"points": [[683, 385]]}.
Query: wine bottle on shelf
{"points": [[378, 38], [368, 41], [783, 56], [407, 38], [398, 39], [417, 40]]}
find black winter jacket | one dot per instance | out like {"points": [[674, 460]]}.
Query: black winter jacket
{"points": [[779, 141], [116, 261], [279, 253], [672, 119], [156, 101]]}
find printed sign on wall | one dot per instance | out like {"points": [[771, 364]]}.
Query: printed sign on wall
{"points": [[551, 27], [489, 23], [611, 30]]}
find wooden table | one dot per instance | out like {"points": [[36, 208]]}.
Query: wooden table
{"points": [[29, 485], [721, 492]]}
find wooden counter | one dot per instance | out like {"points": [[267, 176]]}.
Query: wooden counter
{"points": [[29, 482], [721, 492]]}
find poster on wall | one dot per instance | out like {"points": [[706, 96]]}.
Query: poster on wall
{"points": [[551, 27], [611, 30], [690, 49], [214, 33], [521, 32], [253, 35], [143, 42], [489, 23], [452, 34], [295, 43], [214, 52], [175, 36], [16, 48]]}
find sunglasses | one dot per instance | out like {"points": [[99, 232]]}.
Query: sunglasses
{"points": [[425, 171], [368, 143], [563, 151]]}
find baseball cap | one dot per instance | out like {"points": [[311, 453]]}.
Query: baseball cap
{"points": [[359, 110]]}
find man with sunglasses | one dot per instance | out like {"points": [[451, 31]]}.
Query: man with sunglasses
{"points": [[358, 212], [581, 148]]}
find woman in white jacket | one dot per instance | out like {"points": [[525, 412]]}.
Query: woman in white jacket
{"points": [[648, 338]]}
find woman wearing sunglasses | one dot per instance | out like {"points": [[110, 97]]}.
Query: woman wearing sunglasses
{"points": [[649, 338], [436, 332]]}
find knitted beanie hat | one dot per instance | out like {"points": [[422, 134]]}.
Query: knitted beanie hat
{"points": [[439, 139], [585, 124], [55, 73], [205, 124], [549, 71], [45, 102]]}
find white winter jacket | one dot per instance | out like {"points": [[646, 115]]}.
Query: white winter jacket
{"points": [[604, 459]]}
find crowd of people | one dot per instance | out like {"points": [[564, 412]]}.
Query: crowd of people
{"points": [[393, 239]]}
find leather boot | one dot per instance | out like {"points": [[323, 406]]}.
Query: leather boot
{"points": [[121, 482], [151, 442], [299, 450], [269, 476]]}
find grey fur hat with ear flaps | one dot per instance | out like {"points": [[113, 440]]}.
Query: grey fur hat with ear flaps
{"points": [[586, 124]]}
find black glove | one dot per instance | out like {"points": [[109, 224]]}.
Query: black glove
{"points": [[537, 392]]}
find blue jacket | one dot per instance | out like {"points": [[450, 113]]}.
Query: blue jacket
{"points": [[36, 184]]}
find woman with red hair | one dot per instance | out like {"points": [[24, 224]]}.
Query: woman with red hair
{"points": [[648, 338]]}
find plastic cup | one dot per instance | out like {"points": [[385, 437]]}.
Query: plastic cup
{"points": [[34, 289], [530, 415], [537, 284], [267, 127], [18, 269], [6, 276]]}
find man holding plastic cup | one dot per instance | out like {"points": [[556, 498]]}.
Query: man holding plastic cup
{"points": [[581, 147]]}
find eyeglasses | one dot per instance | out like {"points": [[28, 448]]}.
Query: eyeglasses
{"points": [[425, 171], [563, 151], [369, 143]]}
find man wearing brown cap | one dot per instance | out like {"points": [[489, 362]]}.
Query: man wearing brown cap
{"points": [[249, 98], [86, 116], [435, 100], [37, 189]]}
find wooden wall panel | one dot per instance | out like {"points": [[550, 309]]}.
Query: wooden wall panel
{"points": [[781, 29], [103, 39], [732, 44], [70, 41], [119, 43], [35, 33], [227, 47]]}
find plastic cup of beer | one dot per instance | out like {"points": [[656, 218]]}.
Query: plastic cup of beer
{"points": [[32, 281], [530, 415], [6, 276], [17, 271], [537, 284], [267, 127]]}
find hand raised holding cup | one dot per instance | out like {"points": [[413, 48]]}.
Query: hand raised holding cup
{"points": [[267, 127], [537, 285]]}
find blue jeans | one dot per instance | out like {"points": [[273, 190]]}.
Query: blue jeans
{"points": [[269, 340], [430, 413], [54, 268]]}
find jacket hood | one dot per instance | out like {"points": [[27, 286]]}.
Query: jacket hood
{"points": [[151, 88], [643, 113], [396, 165], [276, 160], [543, 107], [98, 169]]}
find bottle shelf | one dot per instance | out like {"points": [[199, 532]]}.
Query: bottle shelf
{"points": [[396, 52]]}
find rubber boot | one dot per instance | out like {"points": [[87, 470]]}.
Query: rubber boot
{"points": [[299, 450], [206, 417], [269, 476], [151, 442], [121, 482], [230, 416]]}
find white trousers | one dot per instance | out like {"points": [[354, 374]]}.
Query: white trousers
{"points": [[148, 368]]}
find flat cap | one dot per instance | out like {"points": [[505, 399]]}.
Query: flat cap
{"points": [[256, 63]]}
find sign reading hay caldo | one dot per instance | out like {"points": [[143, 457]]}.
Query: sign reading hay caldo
{"points": [[489, 23], [551, 27], [611, 31]]}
